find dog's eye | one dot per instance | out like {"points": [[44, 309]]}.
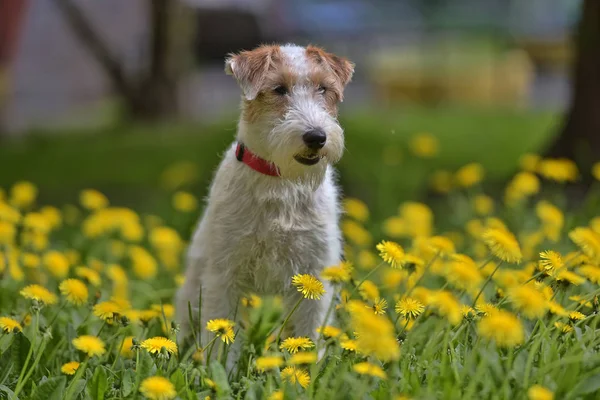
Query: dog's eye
{"points": [[322, 89], [281, 90]]}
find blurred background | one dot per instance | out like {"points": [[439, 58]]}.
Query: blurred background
{"points": [[130, 97]]}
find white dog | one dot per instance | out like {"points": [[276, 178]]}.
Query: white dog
{"points": [[273, 208]]}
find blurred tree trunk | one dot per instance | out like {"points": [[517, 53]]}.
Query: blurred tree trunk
{"points": [[579, 137], [151, 94]]}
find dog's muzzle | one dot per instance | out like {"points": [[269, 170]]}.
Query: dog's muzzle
{"points": [[314, 140]]}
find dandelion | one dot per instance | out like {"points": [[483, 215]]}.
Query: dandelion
{"points": [[57, 263], [295, 375], [392, 253], [552, 219], [309, 286], [126, 349], [107, 310], [9, 325], [556, 309], [90, 345], [424, 145], [596, 171], [587, 240], [418, 219], [222, 328], [69, 368], [158, 388], [303, 358], [92, 200], [356, 233], [156, 344], [295, 344], [591, 272], [375, 333], [409, 308], [356, 209], [463, 272], [276, 395], [74, 290], [564, 328], [369, 291], [441, 181], [380, 306], [502, 327], [558, 169], [39, 293], [575, 316], [503, 245], [569, 277], [483, 205], [447, 306], [366, 259], [441, 245], [551, 261], [184, 202], [523, 185], [528, 162], [528, 300], [469, 175], [537, 392], [349, 345], [23, 194], [337, 273], [329, 331], [268, 362], [89, 275], [366, 368]]}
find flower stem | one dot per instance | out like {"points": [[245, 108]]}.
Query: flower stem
{"points": [[367, 276], [78, 374], [285, 321], [489, 278]]}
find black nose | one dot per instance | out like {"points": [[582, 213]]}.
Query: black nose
{"points": [[314, 139]]}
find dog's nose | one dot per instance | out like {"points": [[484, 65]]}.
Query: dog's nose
{"points": [[314, 139]]}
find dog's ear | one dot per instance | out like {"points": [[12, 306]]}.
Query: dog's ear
{"points": [[250, 68], [341, 67]]}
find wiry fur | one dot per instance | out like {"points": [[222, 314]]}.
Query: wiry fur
{"points": [[258, 231]]}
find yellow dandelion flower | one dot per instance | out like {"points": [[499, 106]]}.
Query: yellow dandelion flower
{"points": [[424, 145], [591, 272], [295, 344], [418, 219], [441, 245], [143, 263], [469, 175], [356, 209], [222, 328], [441, 181], [252, 301], [74, 290], [556, 309], [551, 260], [483, 205], [503, 245], [126, 349], [596, 171], [576, 316], [529, 161], [337, 273], [30, 260], [23, 194], [538, 392], [468, 311], [69, 368], [366, 368], [7, 233], [155, 344], [276, 395], [486, 309], [356, 233], [39, 293], [528, 300], [349, 344], [309, 286], [564, 328], [581, 301], [295, 375], [380, 306], [369, 291], [367, 260], [569, 277], [9, 325], [552, 219], [329, 331], [107, 310], [158, 388], [268, 362], [57, 263], [503, 328], [92, 200], [89, 275], [392, 253], [409, 308], [463, 272], [587, 240], [90, 345], [184, 202], [447, 306], [522, 186], [375, 333], [303, 358], [558, 169]]}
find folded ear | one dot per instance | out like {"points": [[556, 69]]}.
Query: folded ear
{"points": [[341, 67], [250, 68]]}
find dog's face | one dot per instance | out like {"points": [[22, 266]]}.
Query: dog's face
{"points": [[289, 108]]}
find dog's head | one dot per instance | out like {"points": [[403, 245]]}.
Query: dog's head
{"points": [[289, 106]]}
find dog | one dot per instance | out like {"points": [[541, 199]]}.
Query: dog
{"points": [[273, 208]]}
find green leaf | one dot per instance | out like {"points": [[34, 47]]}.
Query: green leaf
{"points": [[219, 376], [78, 387], [50, 389], [98, 385], [10, 395], [146, 365], [18, 353], [588, 386], [127, 382], [178, 380]]}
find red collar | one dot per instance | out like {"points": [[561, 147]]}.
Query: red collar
{"points": [[265, 167]]}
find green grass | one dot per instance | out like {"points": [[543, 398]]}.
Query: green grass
{"points": [[127, 162]]}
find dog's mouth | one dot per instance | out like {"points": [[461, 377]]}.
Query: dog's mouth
{"points": [[308, 159]]}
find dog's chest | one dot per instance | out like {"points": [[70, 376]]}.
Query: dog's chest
{"points": [[281, 240]]}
